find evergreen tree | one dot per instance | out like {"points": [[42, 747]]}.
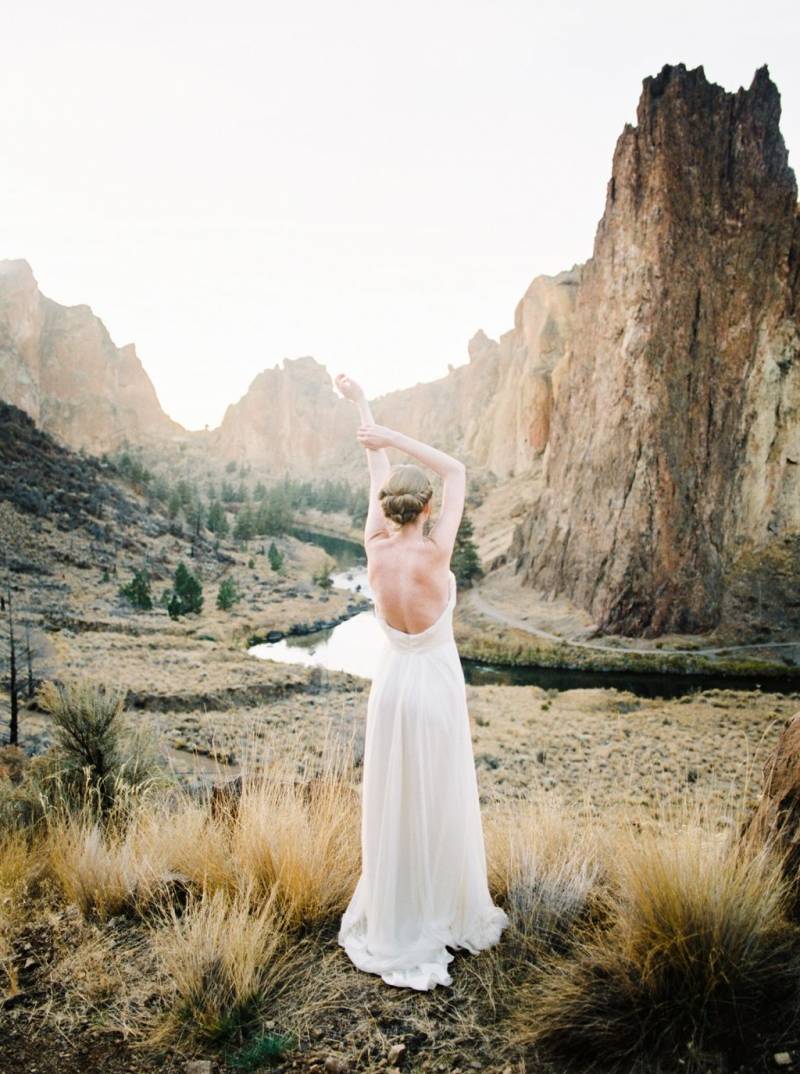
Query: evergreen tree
{"points": [[174, 503], [217, 520], [465, 562], [187, 593], [227, 594], [244, 528], [275, 557], [195, 513], [137, 591]]}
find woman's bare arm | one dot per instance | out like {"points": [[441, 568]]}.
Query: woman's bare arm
{"points": [[452, 472], [377, 460]]}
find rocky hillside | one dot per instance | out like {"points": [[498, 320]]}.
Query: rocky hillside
{"points": [[671, 477], [59, 364]]}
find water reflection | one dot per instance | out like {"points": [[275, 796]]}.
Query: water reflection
{"points": [[354, 646]]}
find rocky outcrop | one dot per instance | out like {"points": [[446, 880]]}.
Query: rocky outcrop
{"points": [[290, 420], [775, 821], [671, 500], [59, 364], [495, 410]]}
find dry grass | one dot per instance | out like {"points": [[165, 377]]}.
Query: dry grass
{"points": [[694, 962], [226, 961], [542, 865], [648, 940]]}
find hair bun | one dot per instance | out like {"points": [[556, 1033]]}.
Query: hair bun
{"points": [[405, 493]]}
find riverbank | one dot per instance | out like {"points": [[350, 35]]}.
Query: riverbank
{"points": [[497, 622]]}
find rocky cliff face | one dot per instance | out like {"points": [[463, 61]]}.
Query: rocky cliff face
{"points": [[494, 411], [59, 364], [290, 420], [671, 499]]}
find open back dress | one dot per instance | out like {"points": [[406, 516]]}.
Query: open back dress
{"points": [[423, 885]]}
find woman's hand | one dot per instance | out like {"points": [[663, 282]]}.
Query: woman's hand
{"points": [[348, 387], [375, 436]]}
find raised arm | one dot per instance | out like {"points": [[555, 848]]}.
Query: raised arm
{"points": [[377, 459], [452, 472]]}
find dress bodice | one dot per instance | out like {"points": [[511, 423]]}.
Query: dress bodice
{"points": [[438, 633]]}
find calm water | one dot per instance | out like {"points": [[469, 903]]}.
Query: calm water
{"points": [[354, 645]]}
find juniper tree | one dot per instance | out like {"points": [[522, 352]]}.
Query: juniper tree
{"points": [[465, 562]]}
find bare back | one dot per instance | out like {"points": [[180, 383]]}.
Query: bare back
{"points": [[409, 579]]}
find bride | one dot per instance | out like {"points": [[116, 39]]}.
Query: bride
{"points": [[423, 884]]}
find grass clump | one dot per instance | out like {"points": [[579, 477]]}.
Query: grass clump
{"points": [[696, 962], [226, 962]]}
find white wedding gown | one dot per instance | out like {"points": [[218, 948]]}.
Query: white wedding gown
{"points": [[423, 885]]}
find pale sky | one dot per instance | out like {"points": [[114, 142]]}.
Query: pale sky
{"points": [[230, 184]]}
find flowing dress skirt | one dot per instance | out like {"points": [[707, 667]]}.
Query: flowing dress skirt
{"points": [[423, 884]]}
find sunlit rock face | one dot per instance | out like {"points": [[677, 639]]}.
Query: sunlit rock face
{"points": [[59, 364], [671, 499], [494, 411], [290, 420]]}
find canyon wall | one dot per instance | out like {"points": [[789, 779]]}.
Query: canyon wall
{"points": [[494, 410], [59, 364], [671, 498]]}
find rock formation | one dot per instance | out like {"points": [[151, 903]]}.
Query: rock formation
{"points": [[495, 410], [59, 364], [775, 821], [290, 420], [671, 499]]}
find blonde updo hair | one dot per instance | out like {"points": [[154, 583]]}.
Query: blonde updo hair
{"points": [[404, 493]]}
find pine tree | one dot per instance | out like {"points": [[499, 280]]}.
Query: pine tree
{"points": [[217, 520], [245, 526], [137, 591], [275, 557], [465, 562], [227, 594], [187, 593]]}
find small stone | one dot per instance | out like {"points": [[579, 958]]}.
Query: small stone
{"points": [[782, 1059], [335, 1065], [198, 1066], [394, 1054]]}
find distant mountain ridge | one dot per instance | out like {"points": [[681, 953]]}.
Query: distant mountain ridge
{"points": [[60, 365]]}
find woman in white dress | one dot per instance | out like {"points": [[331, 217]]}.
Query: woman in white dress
{"points": [[423, 884]]}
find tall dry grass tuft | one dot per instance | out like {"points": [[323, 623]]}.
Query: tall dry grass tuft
{"points": [[107, 869], [19, 861], [543, 866], [296, 834], [299, 834], [226, 961], [695, 962]]}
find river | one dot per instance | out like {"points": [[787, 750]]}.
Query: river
{"points": [[354, 646]]}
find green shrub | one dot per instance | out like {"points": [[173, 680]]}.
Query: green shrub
{"points": [[137, 591], [275, 557], [186, 595], [227, 594]]}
